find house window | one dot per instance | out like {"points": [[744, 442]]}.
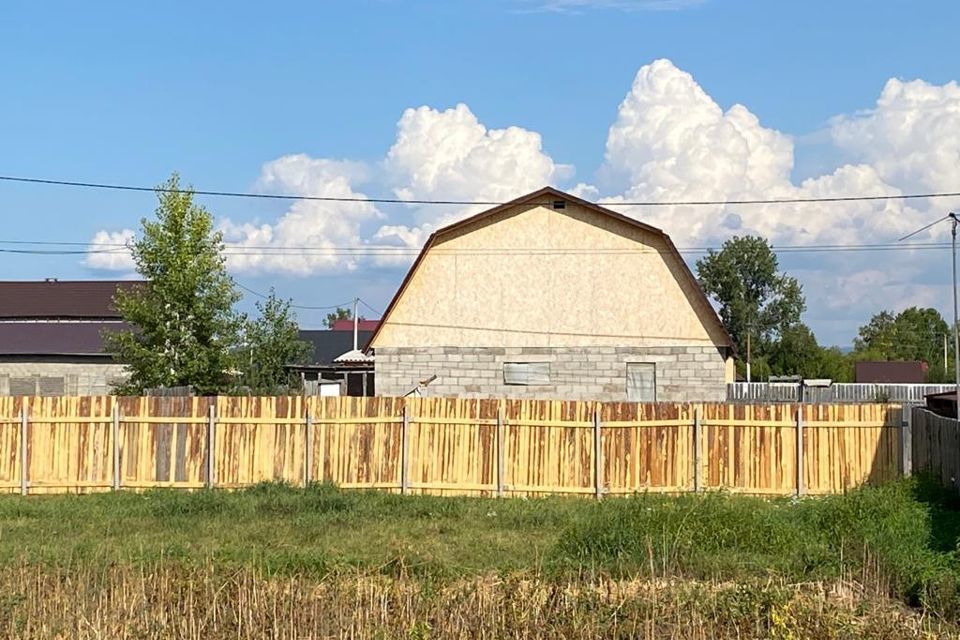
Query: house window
{"points": [[526, 373], [641, 382]]}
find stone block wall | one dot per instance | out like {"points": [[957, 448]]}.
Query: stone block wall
{"points": [[683, 374], [59, 378]]}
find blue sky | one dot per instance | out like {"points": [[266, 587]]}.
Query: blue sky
{"points": [[311, 97]]}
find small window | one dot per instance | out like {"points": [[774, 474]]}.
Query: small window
{"points": [[559, 204], [526, 373], [641, 382], [24, 386]]}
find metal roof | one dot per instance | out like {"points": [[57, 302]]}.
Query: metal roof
{"points": [[53, 299], [55, 338]]}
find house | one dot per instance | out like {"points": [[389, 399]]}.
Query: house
{"points": [[551, 296], [51, 337], [335, 358], [892, 372]]}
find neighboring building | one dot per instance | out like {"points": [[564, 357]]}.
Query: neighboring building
{"points": [[892, 372], [551, 296], [51, 337], [333, 360]]}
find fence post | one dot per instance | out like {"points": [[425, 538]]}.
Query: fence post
{"points": [[211, 442], [404, 452], [597, 455], [115, 437], [697, 452], [24, 420], [906, 440], [500, 455], [308, 450], [801, 490]]}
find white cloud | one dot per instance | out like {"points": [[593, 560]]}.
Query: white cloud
{"points": [[911, 137], [672, 142], [451, 155], [108, 252], [312, 236]]}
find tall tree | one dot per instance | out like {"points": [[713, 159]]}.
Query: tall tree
{"points": [[745, 281], [271, 342], [913, 334], [796, 352], [339, 314], [184, 326]]}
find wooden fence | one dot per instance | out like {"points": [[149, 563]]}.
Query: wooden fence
{"points": [[936, 445], [841, 392], [439, 445]]}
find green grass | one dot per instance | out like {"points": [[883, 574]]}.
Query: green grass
{"points": [[902, 537]]}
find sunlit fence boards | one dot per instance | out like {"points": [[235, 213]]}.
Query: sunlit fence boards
{"points": [[455, 446]]}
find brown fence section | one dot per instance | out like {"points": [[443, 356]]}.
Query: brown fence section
{"points": [[466, 446], [936, 446]]}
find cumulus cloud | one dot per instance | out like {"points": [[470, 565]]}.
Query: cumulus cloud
{"points": [[108, 252], [911, 137], [312, 236], [672, 142], [451, 155]]}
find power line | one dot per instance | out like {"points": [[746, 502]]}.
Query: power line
{"points": [[662, 203], [293, 306], [405, 252], [364, 303]]}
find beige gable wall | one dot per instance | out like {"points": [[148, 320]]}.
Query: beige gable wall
{"points": [[536, 277]]}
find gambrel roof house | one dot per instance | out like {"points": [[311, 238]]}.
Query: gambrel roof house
{"points": [[552, 296]]}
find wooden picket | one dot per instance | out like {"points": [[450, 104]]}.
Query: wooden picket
{"points": [[449, 446]]}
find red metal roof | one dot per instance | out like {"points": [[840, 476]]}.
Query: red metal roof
{"points": [[347, 325], [51, 299]]}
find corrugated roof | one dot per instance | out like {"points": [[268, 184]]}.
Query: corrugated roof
{"points": [[60, 299], [329, 345], [55, 338]]}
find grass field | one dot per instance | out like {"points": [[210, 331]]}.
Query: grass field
{"points": [[872, 562]]}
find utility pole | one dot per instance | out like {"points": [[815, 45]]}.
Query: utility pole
{"points": [[748, 353], [356, 323], [956, 334], [952, 217]]}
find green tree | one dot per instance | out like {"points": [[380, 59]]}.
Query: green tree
{"points": [[913, 334], [753, 296], [340, 314], [184, 326], [796, 352], [271, 342]]}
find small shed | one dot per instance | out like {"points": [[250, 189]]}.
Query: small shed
{"points": [[942, 404]]}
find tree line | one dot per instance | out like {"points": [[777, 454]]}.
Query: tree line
{"points": [[759, 303]]}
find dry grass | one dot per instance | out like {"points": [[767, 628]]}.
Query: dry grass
{"points": [[177, 601]]}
